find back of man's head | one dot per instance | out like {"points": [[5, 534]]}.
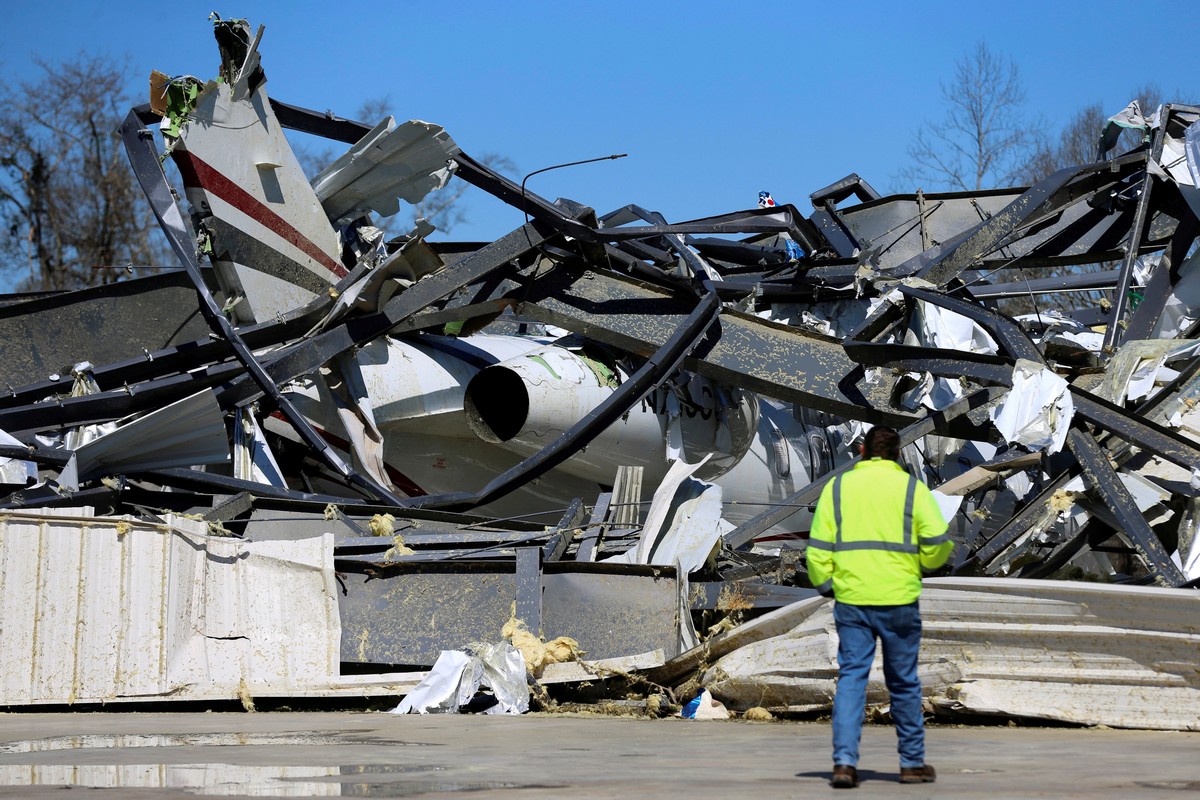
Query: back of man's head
{"points": [[882, 442]]}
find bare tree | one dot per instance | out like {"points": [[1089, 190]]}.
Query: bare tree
{"points": [[982, 140], [1077, 144], [1078, 140], [71, 212], [445, 208]]}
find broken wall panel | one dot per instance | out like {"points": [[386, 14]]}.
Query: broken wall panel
{"points": [[407, 613], [103, 609]]}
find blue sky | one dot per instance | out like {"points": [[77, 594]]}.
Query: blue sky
{"points": [[712, 101]]}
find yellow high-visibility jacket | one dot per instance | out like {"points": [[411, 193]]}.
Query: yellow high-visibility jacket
{"points": [[875, 529]]}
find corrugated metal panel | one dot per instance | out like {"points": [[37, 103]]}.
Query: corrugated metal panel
{"points": [[188, 431], [1124, 656], [96, 609]]}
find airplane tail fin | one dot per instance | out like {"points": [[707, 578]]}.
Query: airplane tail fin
{"points": [[274, 240]]}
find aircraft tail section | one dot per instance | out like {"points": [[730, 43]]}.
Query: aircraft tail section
{"points": [[266, 230]]}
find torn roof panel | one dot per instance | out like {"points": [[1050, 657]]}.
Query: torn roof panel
{"points": [[391, 163]]}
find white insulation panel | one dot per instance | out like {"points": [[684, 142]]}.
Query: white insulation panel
{"points": [[1122, 656]]}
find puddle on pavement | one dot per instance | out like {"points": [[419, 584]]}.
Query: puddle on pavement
{"points": [[217, 779], [408, 788], [1178, 786], [383, 780], [416, 790], [133, 740]]}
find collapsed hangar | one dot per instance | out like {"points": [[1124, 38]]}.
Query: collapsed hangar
{"points": [[609, 426]]}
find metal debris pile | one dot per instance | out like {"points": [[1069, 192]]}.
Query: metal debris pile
{"points": [[608, 426]]}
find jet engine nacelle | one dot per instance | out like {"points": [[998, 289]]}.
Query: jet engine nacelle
{"points": [[525, 403]]}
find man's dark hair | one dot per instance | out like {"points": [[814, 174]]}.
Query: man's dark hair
{"points": [[882, 442]]}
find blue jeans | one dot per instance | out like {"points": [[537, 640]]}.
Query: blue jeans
{"points": [[899, 629]]}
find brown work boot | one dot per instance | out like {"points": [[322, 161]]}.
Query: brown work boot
{"points": [[844, 777], [925, 774]]}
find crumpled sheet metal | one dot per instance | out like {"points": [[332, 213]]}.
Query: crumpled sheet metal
{"points": [[683, 526], [457, 675], [1037, 412], [1093, 654], [626, 295], [392, 162]]}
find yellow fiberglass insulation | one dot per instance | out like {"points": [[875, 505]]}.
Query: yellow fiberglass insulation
{"points": [[537, 653]]}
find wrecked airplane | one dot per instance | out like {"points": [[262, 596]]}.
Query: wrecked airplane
{"points": [[611, 427]]}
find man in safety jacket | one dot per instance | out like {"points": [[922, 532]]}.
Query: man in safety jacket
{"points": [[875, 530]]}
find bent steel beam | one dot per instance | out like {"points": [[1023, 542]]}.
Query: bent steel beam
{"points": [[1104, 479], [776, 360], [1006, 332], [1018, 526]]}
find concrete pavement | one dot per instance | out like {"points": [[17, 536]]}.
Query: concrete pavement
{"points": [[176, 755]]}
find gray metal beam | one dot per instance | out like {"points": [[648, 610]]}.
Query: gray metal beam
{"points": [[230, 507], [1162, 280], [773, 359], [529, 588], [563, 532], [1018, 525], [594, 529], [975, 530], [1081, 282], [1120, 292], [1100, 475]]}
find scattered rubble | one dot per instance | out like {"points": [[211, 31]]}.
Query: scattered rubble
{"points": [[313, 459]]}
